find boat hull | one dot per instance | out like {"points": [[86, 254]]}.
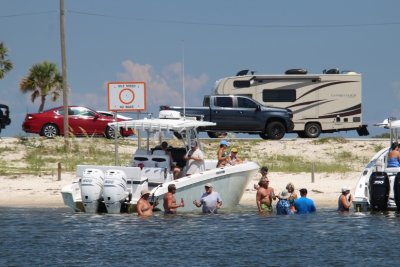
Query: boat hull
{"points": [[230, 182]]}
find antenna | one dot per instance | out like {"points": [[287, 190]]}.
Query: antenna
{"points": [[183, 79]]}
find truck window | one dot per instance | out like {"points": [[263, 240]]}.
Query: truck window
{"points": [[280, 95], [246, 103], [224, 102], [206, 101]]}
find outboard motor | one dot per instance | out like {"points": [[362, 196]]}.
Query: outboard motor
{"points": [[379, 187], [396, 189], [115, 190], [91, 189]]}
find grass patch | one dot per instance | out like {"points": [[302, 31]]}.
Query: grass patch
{"points": [[282, 163], [325, 140]]}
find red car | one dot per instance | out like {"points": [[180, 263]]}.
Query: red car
{"points": [[81, 120]]}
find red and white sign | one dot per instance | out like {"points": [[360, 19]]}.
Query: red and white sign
{"points": [[126, 96]]}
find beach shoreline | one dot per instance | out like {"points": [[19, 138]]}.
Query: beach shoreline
{"points": [[45, 191]]}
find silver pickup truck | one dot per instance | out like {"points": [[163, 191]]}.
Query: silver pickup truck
{"points": [[240, 114]]}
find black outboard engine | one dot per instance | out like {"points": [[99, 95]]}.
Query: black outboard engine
{"points": [[396, 189], [379, 187]]}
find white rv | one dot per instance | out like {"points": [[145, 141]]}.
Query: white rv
{"points": [[321, 103]]}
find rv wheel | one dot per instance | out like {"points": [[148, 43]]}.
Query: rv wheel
{"points": [[312, 130]]}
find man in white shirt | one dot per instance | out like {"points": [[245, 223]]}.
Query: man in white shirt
{"points": [[195, 158], [210, 200]]}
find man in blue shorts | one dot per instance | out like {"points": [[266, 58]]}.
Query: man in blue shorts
{"points": [[303, 204]]}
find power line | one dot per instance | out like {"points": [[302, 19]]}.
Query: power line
{"points": [[198, 23], [233, 25], [28, 14]]}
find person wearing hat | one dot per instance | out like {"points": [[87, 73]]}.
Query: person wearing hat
{"points": [[143, 206], [303, 204], [345, 199], [283, 205], [222, 154], [211, 201], [170, 205], [233, 159], [195, 159]]}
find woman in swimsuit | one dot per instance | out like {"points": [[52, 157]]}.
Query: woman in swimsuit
{"points": [[394, 156]]}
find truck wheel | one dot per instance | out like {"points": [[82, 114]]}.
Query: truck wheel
{"points": [[49, 130], [216, 134], [275, 130], [302, 134], [264, 136], [312, 130]]}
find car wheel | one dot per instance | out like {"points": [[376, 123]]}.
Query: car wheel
{"points": [[49, 130], [110, 133], [312, 130], [275, 130]]}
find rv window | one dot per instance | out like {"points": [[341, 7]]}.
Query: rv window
{"points": [[280, 95], [224, 102], [241, 84], [246, 103]]}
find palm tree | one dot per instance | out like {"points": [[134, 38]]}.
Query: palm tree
{"points": [[5, 64], [43, 79]]}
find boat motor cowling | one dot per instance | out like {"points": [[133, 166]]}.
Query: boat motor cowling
{"points": [[379, 187], [91, 189]]}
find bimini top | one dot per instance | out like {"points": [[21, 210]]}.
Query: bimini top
{"points": [[389, 124], [168, 120]]}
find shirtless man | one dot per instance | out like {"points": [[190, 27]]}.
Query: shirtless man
{"points": [[143, 206], [170, 205], [264, 197]]}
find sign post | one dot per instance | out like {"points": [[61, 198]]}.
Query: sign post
{"points": [[125, 97]]}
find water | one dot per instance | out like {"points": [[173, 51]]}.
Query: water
{"points": [[59, 237]]}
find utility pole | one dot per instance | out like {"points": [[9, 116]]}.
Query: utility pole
{"points": [[64, 75]]}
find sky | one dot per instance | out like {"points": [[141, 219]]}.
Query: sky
{"points": [[158, 42]]}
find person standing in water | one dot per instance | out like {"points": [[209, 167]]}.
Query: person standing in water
{"points": [[143, 206], [210, 200], [170, 205], [264, 197], [345, 200], [303, 204]]}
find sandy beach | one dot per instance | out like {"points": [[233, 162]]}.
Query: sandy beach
{"points": [[44, 191]]}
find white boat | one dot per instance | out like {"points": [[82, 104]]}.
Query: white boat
{"points": [[378, 187], [150, 170]]}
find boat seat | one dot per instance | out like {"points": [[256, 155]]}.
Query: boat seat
{"points": [[144, 159], [161, 161]]}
